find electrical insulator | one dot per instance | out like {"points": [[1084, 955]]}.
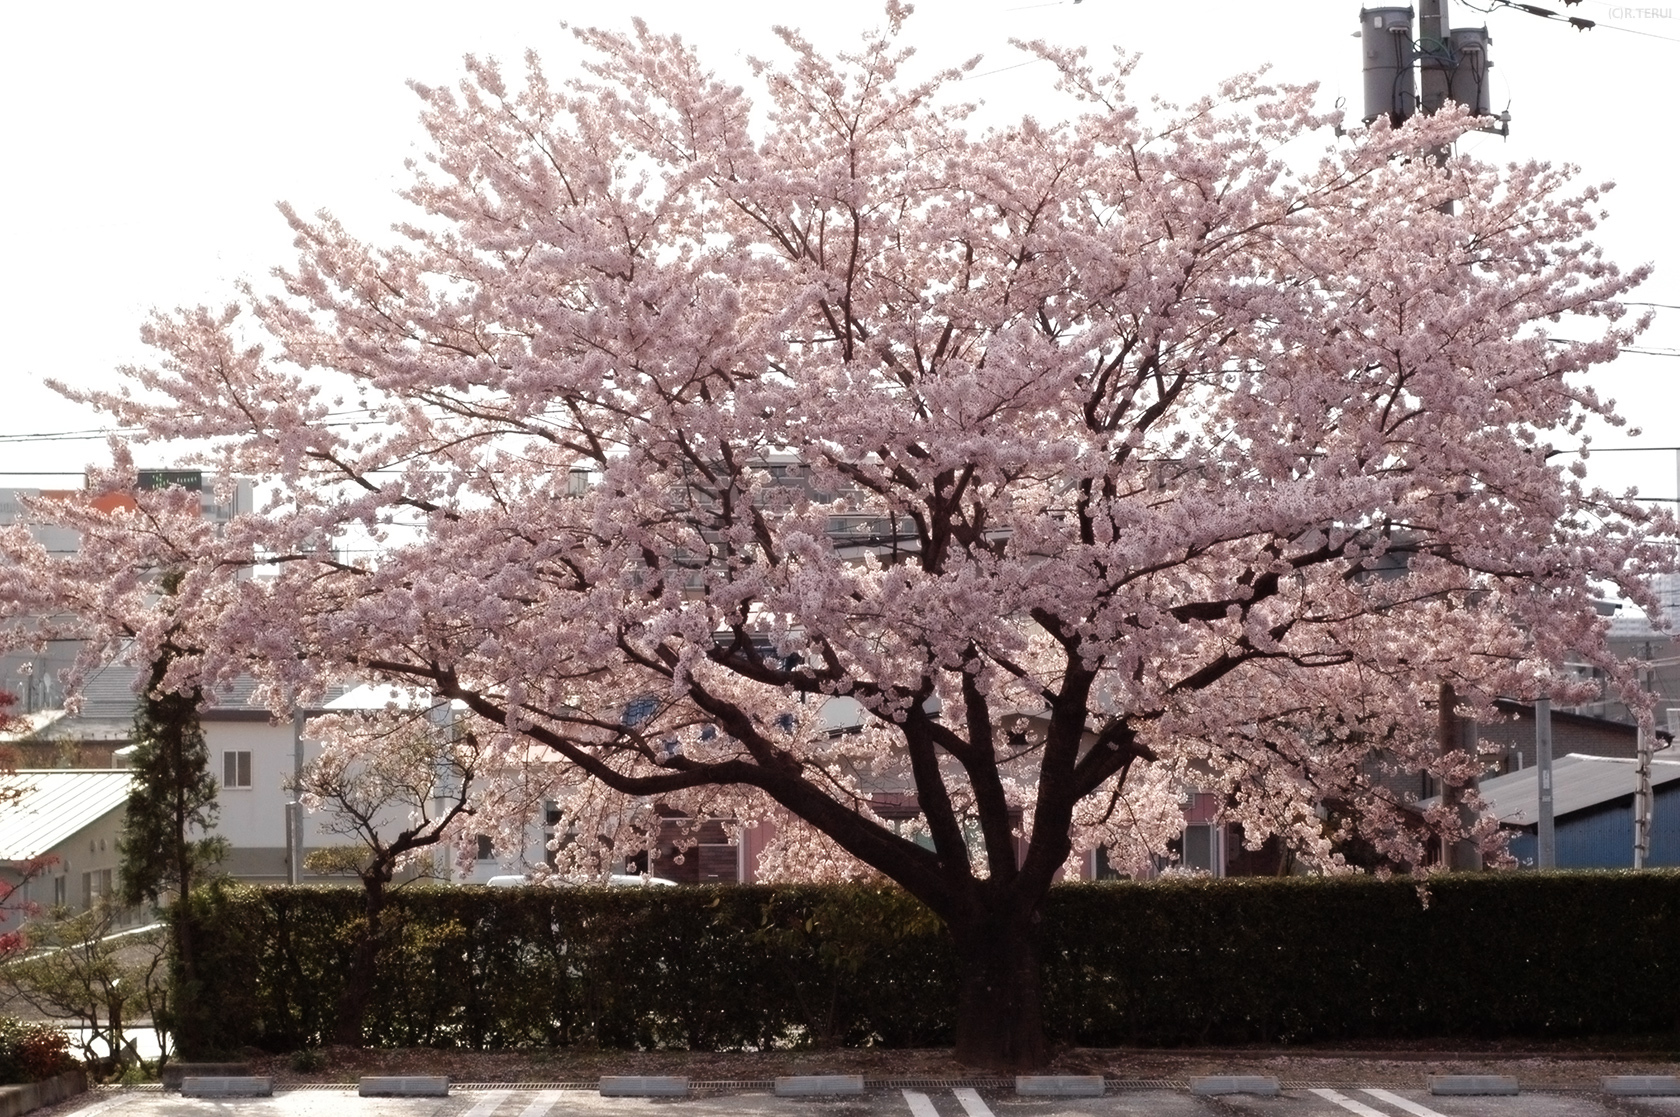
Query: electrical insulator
{"points": [[1469, 82], [1385, 36]]}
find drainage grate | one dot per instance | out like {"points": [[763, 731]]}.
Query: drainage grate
{"points": [[589, 1085]]}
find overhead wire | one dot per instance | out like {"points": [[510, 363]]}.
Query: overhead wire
{"points": [[1579, 23]]}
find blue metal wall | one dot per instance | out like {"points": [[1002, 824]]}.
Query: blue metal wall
{"points": [[1602, 836]]}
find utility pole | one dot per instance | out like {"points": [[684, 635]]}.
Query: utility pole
{"points": [[1642, 801], [1547, 858], [1454, 64], [1434, 55], [294, 806]]}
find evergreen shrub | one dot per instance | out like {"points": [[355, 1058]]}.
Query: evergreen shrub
{"points": [[32, 1052], [726, 967]]}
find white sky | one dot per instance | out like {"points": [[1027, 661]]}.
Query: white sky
{"points": [[146, 144]]}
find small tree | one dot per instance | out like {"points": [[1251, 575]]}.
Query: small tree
{"points": [[78, 970], [399, 785]]}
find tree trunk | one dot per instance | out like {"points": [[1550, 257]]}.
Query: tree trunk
{"points": [[1000, 1005], [364, 964]]}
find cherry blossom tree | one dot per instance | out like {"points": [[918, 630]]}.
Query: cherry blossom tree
{"points": [[398, 784], [1084, 461]]}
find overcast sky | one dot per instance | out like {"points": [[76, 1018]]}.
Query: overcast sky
{"points": [[145, 144]]}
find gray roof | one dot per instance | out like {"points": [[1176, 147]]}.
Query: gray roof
{"points": [[54, 805], [109, 699], [1578, 782]]}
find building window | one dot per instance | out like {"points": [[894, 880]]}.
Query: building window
{"points": [[95, 885], [486, 847], [61, 891], [236, 769]]}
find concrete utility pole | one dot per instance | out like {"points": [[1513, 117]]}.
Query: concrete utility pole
{"points": [[1449, 737], [1642, 801], [1434, 54], [1547, 858], [294, 807]]}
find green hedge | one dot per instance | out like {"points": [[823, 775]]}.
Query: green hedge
{"points": [[1527, 954]]}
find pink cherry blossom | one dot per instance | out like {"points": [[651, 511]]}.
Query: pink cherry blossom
{"points": [[1088, 460]]}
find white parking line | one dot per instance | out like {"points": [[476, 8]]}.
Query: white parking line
{"points": [[1349, 1104], [1411, 1107], [920, 1104], [973, 1104], [487, 1104], [541, 1104]]}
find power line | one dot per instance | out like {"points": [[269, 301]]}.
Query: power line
{"points": [[1579, 23]]}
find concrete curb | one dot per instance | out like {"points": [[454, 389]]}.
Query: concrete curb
{"points": [[817, 1085], [227, 1087], [642, 1086], [1641, 1085], [1472, 1085], [403, 1086], [1213, 1085], [1059, 1085], [25, 1096]]}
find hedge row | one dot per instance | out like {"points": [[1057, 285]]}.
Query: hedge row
{"points": [[1527, 954]]}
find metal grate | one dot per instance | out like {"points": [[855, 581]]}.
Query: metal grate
{"points": [[575, 1085]]}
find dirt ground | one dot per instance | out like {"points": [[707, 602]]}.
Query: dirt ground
{"points": [[1536, 1065]]}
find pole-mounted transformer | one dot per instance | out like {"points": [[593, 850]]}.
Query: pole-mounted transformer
{"points": [[1456, 59], [1468, 84], [1385, 36]]}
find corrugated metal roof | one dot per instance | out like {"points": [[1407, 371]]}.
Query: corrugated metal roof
{"points": [[55, 804], [1578, 782]]}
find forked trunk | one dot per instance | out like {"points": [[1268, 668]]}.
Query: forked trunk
{"points": [[1000, 1005], [364, 965]]}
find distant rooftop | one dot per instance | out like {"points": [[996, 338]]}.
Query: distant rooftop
{"points": [[1579, 781], [54, 805], [1632, 622]]}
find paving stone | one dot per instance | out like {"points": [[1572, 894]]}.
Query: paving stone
{"points": [[1471, 1085], [404, 1086], [1641, 1085], [242, 1086], [642, 1086], [818, 1085], [1059, 1085], [1214, 1084]]}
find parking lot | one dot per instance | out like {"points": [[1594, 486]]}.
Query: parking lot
{"points": [[537, 1101]]}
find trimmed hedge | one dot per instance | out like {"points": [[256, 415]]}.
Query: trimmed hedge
{"points": [[1512, 954]]}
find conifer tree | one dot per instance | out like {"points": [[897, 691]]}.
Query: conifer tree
{"points": [[167, 846]]}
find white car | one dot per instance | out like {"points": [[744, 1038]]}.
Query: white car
{"points": [[638, 880], [617, 880]]}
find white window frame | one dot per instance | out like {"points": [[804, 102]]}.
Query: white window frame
{"points": [[236, 769]]}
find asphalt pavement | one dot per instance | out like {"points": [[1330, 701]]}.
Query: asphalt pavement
{"points": [[537, 1101]]}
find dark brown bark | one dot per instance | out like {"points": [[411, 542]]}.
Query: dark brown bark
{"points": [[364, 966], [1000, 1013]]}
